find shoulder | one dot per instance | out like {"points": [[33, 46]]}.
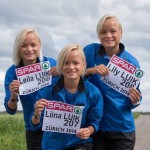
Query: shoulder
{"points": [[48, 58], [10, 73], [91, 53], [130, 58], [11, 69], [92, 46], [91, 50]]}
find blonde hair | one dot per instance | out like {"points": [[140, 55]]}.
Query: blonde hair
{"points": [[103, 19], [19, 42], [65, 52]]}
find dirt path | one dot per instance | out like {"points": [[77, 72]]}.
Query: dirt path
{"points": [[142, 133]]}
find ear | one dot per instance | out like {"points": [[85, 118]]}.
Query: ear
{"points": [[84, 63], [121, 33]]}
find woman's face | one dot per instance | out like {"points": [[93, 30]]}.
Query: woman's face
{"points": [[74, 66], [110, 34], [30, 49]]}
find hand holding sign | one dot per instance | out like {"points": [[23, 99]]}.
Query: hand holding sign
{"points": [[100, 69], [53, 71], [62, 117], [14, 88], [134, 95], [123, 76], [39, 106], [34, 77]]}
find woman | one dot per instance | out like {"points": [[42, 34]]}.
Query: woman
{"points": [[27, 50], [117, 129], [72, 89]]}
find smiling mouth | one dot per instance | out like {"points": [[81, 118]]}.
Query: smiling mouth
{"points": [[109, 41], [30, 54], [71, 72]]}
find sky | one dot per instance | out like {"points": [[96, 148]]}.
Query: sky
{"points": [[60, 22]]}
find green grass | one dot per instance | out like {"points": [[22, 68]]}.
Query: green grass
{"points": [[136, 114], [12, 132]]}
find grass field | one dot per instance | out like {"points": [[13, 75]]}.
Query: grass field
{"points": [[136, 114], [12, 133]]}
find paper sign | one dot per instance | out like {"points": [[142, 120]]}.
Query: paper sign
{"points": [[33, 77], [62, 117], [122, 75]]}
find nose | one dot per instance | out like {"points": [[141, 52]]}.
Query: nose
{"points": [[108, 34], [29, 48], [71, 66]]}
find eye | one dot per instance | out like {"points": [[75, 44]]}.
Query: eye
{"points": [[33, 44], [113, 31], [103, 32], [66, 63], [24, 45], [76, 63]]}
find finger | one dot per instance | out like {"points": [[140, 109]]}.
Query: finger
{"points": [[53, 70], [84, 133], [41, 103], [135, 94], [134, 98], [103, 71], [135, 91], [15, 82], [14, 85]]}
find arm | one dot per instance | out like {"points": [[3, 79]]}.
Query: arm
{"points": [[95, 112], [100, 69], [14, 90], [135, 97], [11, 86], [94, 115], [91, 52]]}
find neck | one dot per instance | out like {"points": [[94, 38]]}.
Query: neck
{"points": [[71, 86], [112, 51], [29, 62]]}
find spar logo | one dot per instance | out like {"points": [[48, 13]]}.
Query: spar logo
{"points": [[123, 64], [59, 106], [28, 69], [77, 110], [139, 73], [45, 65]]}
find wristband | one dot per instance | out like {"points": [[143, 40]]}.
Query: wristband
{"points": [[37, 117]]}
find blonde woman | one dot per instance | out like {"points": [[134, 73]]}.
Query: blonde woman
{"points": [[117, 129], [72, 89], [27, 50]]}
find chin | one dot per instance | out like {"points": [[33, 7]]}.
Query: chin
{"points": [[109, 45], [31, 59], [71, 78]]}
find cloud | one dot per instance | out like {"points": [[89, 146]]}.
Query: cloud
{"points": [[74, 21]]}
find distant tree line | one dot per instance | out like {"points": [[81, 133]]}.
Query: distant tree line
{"points": [[136, 112], [145, 113]]}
